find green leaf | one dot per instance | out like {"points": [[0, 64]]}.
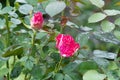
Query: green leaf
{"points": [[106, 37], [72, 25], [13, 50], [15, 21], [27, 20], [2, 23], [15, 72], [118, 72], [55, 8], [82, 39], [48, 75], [84, 53], [46, 2], [93, 75], [96, 17], [112, 75], [13, 14], [29, 64], [98, 3], [113, 66], [41, 0], [25, 9], [2, 46], [85, 28], [1, 63], [3, 71], [101, 62], [6, 9], [59, 76], [85, 66], [20, 77], [107, 26], [23, 59], [67, 77], [21, 1], [117, 34], [117, 21], [75, 76], [38, 72], [70, 67], [45, 49], [111, 12], [40, 8], [0, 6], [40, 35], [104, 54], [32, 2]]}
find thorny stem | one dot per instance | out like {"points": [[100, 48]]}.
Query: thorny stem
{"points": [[57, 67], [33, 37], [7, 63], [62, 14], [7, 41], [25, 78], [7, 3], [14, 57], [61, 29], [33, 42], [8, 36], [32, 52]]}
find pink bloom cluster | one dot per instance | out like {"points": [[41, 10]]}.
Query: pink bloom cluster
{"points": [[66, 45], [37, 21]]}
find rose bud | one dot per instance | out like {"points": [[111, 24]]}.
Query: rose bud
{"points": [[37, 21]]}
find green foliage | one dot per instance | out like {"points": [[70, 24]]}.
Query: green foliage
{"points": [[5, 10], [59, 76], [3, 71], [82, 39], [15, 21], [85, 66], [0, 6], [55, 7], [116, 33], [117, 21], [27, 54], [93, 75], [32, 2], [67, 77], [13, 50], [98, 3], [25, 9], [96, 17], [2, 23], [16, 71], [104, 54], [107, 26], [111, 12], [38, 72]]}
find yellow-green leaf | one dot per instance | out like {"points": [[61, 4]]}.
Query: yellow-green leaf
{"points": [[96, 17], [98, 3]]}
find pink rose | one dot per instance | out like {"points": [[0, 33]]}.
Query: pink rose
{"points": [[66, 45], [37, 21]]}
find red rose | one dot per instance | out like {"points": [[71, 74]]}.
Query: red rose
{"points": [[66, 45], [37, 21]]}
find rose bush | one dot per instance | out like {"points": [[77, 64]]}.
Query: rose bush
{"points": [[59, 40]]}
